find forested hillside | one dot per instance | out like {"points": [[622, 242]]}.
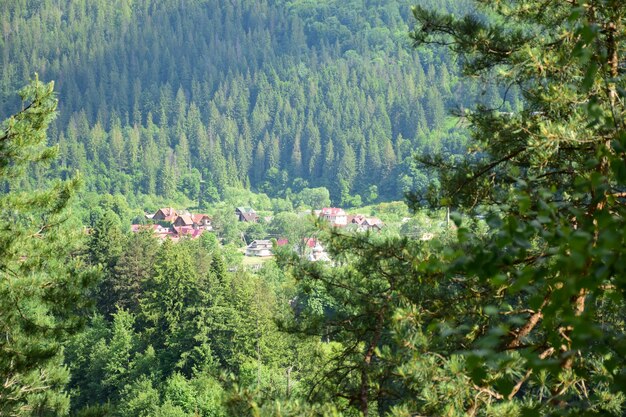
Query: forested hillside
{"points": [[169, 97]]}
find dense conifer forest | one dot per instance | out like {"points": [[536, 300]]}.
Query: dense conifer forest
{"points": [[173, 179], [157, 96]]}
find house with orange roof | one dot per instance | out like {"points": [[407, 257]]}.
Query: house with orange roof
{"points": [[203, 221], [183, 220], [166, 214]]}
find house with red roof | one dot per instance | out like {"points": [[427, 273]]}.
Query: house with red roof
{"points": [[182, 218], [174, 233], [313, 250], [373, 223], [197, 221], [318, 254], [159, 231], [187, 231], [335, 216]]}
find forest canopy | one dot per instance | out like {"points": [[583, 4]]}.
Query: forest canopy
{"points": [[188, 98]]}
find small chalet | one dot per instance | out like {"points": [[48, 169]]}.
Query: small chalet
{"points": [[259, 248], [373, 223], [335, 216], [167, 214], [246, 214], [362, 223], [202, 221], [184, 220], [197, 221]]}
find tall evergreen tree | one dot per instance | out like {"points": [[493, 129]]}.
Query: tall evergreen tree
{"points": [[42, 286], [105, 247], [133, 269], [296, 158], [170, 306]]}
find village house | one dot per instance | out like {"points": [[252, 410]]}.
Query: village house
{"points": [[259, 248], [167, 214], [186, 231], [363, 224], [335, 216], [312, 250], [246, 214], [318, 254], [202, 221], [373, 223], [183, 220], [159, 231], [173, 233]]}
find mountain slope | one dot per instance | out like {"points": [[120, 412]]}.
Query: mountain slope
{"points": [[158, 96]]}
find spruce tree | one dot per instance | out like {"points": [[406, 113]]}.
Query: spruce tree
{"points": [[133, 269]]}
